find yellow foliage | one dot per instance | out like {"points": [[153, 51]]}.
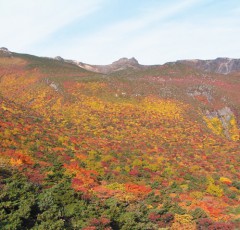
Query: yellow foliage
{"points": [[194, 168], [118, 169], [196, 195], [165, 108], [215, 125], [183, 219], [233, 129], [7, 108], [97, 166], [137, 162], [214, 190], [93, 87], [168, 171], [232, 169], [183, 222], [184, 187], [225, 180], [15, 162], [153, 167], [63, 139], [7, 133], [126, 197], [127, 168], [210, 180], [116, 186], [107, 158]]}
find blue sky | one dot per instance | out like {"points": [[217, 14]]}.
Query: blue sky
{"points": [[102, 31]]}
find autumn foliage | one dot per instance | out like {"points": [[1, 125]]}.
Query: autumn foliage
{"points": [[122, 139]]}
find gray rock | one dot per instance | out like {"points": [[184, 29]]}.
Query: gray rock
{"points": [[219, 65]]}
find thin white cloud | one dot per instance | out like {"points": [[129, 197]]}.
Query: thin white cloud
{"points": [[26, 22], [152, 15], [182, 41], [120, 34], [172, 42], [150, 39]]}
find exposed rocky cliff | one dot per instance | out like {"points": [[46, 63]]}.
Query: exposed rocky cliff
{"points": [[219, 65], [121, 64], [4, 52]]}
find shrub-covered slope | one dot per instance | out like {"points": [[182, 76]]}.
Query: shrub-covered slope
{"points": [[137, 149]]}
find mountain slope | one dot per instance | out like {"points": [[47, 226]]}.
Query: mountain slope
{"points": [[157, 141]]}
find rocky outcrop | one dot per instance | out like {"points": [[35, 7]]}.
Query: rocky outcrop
{"points": [[219, 65], [201, 90], [4, 52], [4, 49], [121, 64], [59, 58], [224, 115]]}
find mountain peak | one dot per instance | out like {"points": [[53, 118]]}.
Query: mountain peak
{"points": [[59, 58], [4, 49], [126, 61], [5, 52]]}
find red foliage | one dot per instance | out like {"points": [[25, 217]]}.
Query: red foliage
{"points": [[134, 172], [204, 224], [221, 226], [154, 216], [101, 223], [137, 189]]}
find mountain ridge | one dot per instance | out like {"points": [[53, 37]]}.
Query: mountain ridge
{"points": [[121, 64], [219, 65]]}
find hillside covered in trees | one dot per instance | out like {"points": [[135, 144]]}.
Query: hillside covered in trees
{"points": [[150, 148]]}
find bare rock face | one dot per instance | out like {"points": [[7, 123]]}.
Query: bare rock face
{"points": [[59, 58], [219, 65], [4, 52], [121, 64], [202, 90], [125, 62], [224, 115], [4, 49]]}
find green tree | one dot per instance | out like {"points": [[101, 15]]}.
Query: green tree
{"points": [[18, 203]]}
